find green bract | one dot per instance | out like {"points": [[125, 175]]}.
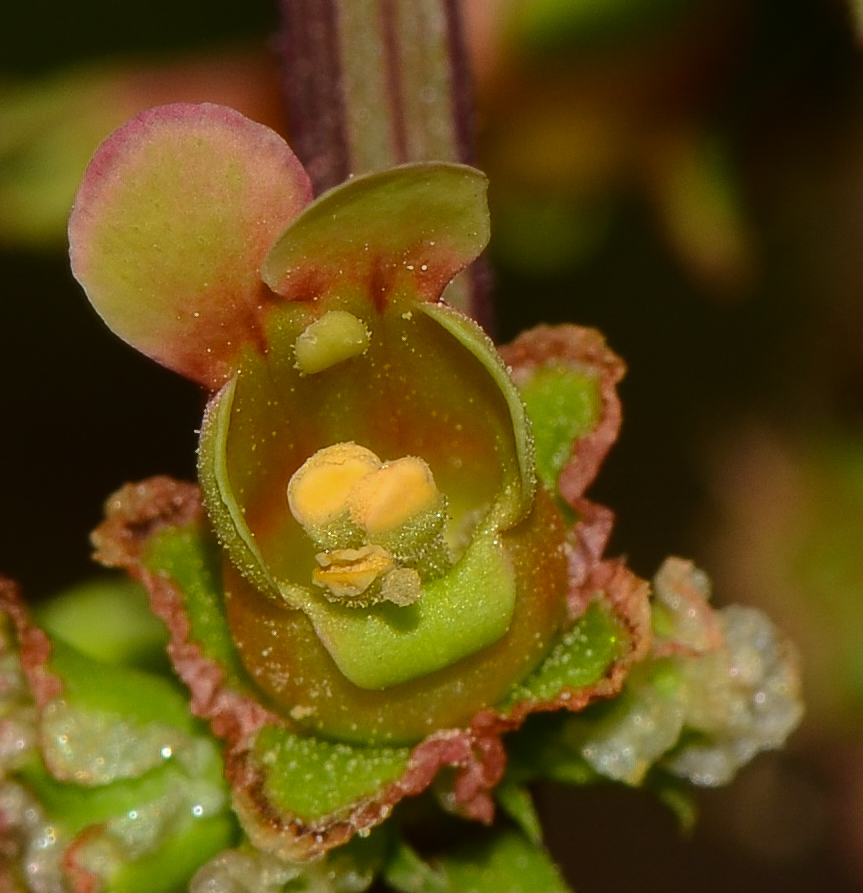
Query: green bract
{"points": [[126, 791]]}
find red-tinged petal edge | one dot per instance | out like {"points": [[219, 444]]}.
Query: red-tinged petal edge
{"points": [[134, 514], [684, 590], [627, 595], [477, 753], [584, 349], [174, 215], [34, 645]]}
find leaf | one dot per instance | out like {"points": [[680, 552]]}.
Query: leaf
{"points": [[505, 862], [76, 616], [407, 872], [169, 868], [562, 404], [515, 800], [494, 862], [77, 807], [131, 787], [190, 557], [173, 217], [543, 748], [677, 795], [142, 697]]}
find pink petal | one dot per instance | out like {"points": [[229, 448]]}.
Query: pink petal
{"points": [[174, 216]]}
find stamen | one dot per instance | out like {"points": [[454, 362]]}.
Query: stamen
{"points": [[393, 495], [379, 524], [319, 489]]}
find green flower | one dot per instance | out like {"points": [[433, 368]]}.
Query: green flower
{"points": [[390, 562]]}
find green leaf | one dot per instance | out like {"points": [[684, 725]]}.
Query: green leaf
{"points": [[407, 872], [149, 785], [173, 218], [136, 695], [165, 796], [677, 795], [133, 634], [494, 862], [352, 867], [191, 558], [515, 800], [503, 862], [171, 866], [421, 223], [544, 748], [76, 807]]}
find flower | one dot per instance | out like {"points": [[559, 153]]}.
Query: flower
{"points": [[366, 463], [104, 774], [390, 562]]}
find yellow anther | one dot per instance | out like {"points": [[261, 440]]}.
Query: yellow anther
{"points": [[378, 523], [319, 489], [336, 336], [348, 573], [394, 494]]}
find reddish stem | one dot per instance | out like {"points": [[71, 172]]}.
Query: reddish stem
{"points": [[374, 83]]}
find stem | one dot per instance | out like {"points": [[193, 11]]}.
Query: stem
{"points": [[370, 84]]}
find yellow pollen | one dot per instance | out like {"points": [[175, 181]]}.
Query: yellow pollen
{"points": [[344, 497], [319, 489], [392, 495]]}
